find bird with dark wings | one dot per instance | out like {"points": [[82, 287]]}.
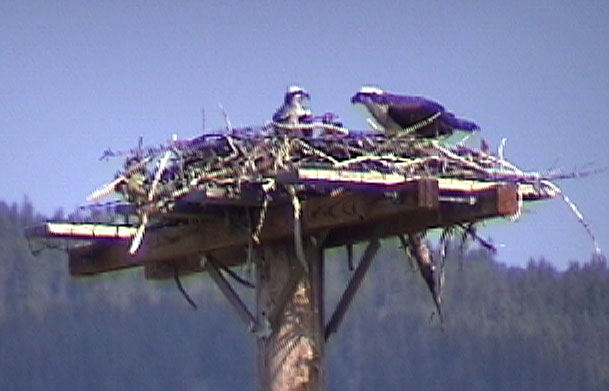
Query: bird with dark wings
{"points": [[410, 115]]}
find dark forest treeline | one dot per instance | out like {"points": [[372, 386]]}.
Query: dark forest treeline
{"points": [[532, 328]]}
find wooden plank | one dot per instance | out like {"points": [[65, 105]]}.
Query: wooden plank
{"points": [[99, 257], [220, 196], [346, 177], [500, 200], [164, 270], [216, 233], [497, 201], [348, 209], [167, 269], [81, 231], [110, 256], [333, 178], [348, 218]]}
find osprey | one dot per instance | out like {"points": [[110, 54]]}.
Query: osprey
{"points": [[414, 115], [293, 110]]}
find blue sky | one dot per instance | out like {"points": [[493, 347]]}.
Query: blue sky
{"points": [[77, 77]]}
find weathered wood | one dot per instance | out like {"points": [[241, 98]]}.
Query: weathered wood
{"points": [[318, 214], [220, 233], [163, 270], [286, 293], [84, 231], [496, 201], [352, 287], [349, 209], [110, 256], [348, 218], [168, 269], [99, 257], [291, 357], [317, 271], [337, 177], [232, 296]]}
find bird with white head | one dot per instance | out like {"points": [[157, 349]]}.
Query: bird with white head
{"points": [[410, 115]]}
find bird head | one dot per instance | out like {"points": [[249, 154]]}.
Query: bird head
{"points": [[295, 93], [367, 94]]}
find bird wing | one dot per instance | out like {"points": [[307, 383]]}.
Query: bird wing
{"points": [[282, 114], [409, 111], [408, 114], [459, 123]]}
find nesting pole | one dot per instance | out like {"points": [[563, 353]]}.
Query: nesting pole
{"points": [[278, 203], [290, 357]]}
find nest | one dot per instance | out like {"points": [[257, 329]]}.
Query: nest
{"points": [[251, 165], [245, 161]]}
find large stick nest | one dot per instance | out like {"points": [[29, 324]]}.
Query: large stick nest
{"points": [[244, 160]]}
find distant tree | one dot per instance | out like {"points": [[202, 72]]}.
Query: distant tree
{"points": [[507, 328]]}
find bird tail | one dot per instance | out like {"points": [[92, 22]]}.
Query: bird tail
{"points": [[460, 123]]}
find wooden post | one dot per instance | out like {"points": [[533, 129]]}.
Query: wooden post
{"points": [[291, 357]]}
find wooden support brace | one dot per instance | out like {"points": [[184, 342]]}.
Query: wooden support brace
{"points": [[352, 287], [232, 296]]}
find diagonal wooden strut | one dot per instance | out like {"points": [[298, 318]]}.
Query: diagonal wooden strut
{"points": [[352, 287], [232, 296]]}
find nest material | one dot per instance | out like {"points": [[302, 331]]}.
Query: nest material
{"points": [[246, 161]]}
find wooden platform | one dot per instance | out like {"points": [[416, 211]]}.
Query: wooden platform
{"points": [[349, 217]]}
